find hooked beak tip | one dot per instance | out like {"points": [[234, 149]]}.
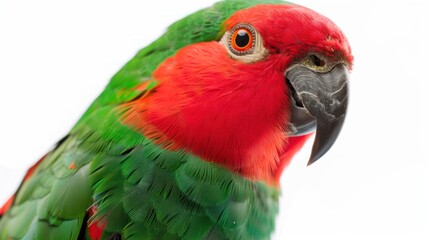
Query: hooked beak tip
{"points": [[325, 96]]}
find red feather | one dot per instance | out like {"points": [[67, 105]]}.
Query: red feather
{"points": [[95, 228], [230, 112], [7, 205]]}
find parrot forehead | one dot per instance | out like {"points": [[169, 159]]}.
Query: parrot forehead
{"points": [[293, 28]]}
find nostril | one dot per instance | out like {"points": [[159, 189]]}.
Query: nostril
{"points": [[317, 61]]}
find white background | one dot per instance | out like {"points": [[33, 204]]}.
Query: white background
{"points": [[56, 57]]}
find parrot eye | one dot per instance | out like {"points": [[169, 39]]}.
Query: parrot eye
{"points": [[244, 43], [242, 40]]}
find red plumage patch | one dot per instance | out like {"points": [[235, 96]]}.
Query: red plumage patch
{"points": [[230, 112], [295, 30], [95, 228], [7, 205]]}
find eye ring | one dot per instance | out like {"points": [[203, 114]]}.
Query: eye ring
{"points": [[244, 43], [242, 39]]}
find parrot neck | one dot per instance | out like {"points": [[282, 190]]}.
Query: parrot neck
{"points": [[234, 118]]}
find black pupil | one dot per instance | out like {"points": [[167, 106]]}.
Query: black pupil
{"points": [[242, 38]]}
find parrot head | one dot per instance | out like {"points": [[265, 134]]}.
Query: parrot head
{"points": [[274, 73]]}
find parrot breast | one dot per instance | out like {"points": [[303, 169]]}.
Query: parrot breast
{"points": [[218, 110]]}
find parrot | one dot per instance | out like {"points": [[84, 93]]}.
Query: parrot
{"points": [[189, 139]]}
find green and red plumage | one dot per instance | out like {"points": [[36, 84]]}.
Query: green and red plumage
{"points": [[186, 141]]}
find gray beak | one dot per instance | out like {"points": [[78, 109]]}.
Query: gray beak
{"points": [[318, 100]]}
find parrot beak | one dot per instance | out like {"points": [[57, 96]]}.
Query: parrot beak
{"points": [[318, 100]]}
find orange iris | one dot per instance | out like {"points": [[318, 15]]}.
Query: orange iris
{"points": [[242, 39]]}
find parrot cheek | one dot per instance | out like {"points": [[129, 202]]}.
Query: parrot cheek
{"points": [[318, 99]]}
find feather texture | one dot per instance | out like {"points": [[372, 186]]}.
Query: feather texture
{"points": [[109, 178]]}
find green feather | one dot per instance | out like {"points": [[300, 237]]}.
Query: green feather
{"points": [[142, 190], [53, 201]]}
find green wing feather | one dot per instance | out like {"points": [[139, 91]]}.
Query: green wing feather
{"points": [[54, 200]]}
